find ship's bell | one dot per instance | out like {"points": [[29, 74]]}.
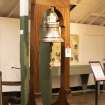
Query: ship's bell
{"points": [[53, 28]]}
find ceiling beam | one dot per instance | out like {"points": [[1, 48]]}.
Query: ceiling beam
{"points": [[13, 9], [85, 18], [74, 2], [90, 10], [97, 17], [103, 23]]}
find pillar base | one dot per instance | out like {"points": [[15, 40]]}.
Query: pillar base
{"points": [[31, 99], [62, 99]]}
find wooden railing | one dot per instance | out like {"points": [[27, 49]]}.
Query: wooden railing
{"points": [[7, 83]]}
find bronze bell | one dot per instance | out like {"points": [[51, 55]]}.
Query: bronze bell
{"points": [[53, 28]]}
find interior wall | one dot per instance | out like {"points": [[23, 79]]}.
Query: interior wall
{"points": [[91, 46], [91, 42], [9, 50]]}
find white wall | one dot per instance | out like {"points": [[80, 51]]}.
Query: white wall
{"points": [[9, 50], [91, 46], [91, 42]]}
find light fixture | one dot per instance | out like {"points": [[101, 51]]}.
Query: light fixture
{"points": [[52, 26]]}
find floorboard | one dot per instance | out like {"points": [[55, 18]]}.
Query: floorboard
{"points": [[85, 98]]}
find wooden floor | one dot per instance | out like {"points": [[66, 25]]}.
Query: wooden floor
{"points": [[87, 98], [84, 98]]}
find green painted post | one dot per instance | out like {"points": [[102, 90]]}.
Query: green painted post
{"points": [[45, 72], [24, 51]]}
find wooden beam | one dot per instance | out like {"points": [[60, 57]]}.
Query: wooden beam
{"points": [[11, 83], [98, 15], [36, 55], [61, 3], [96, 18], [16, 6], [103, 23], [74, 2]]}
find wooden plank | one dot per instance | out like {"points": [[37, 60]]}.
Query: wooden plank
{"points": [[40, 7], [59, 3], [39, 60], [11, 83]]}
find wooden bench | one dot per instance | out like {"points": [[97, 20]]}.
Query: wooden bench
{"points": [[13, 100]]}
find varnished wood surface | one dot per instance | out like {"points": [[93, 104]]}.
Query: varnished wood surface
{"points": [[60, 3], [11, 83], [80, 99], [75, 99], [37, 13]]}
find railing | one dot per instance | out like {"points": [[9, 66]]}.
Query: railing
{"points": [[7, 83]]}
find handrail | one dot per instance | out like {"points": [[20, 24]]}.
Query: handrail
{"points": [[11, 83]]}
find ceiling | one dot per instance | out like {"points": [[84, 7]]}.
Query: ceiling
{"points": [[82, 11], [9, 8], [89, 12]]}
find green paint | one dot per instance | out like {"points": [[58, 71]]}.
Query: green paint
{"points": [[45, 72], [24, 60]]}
